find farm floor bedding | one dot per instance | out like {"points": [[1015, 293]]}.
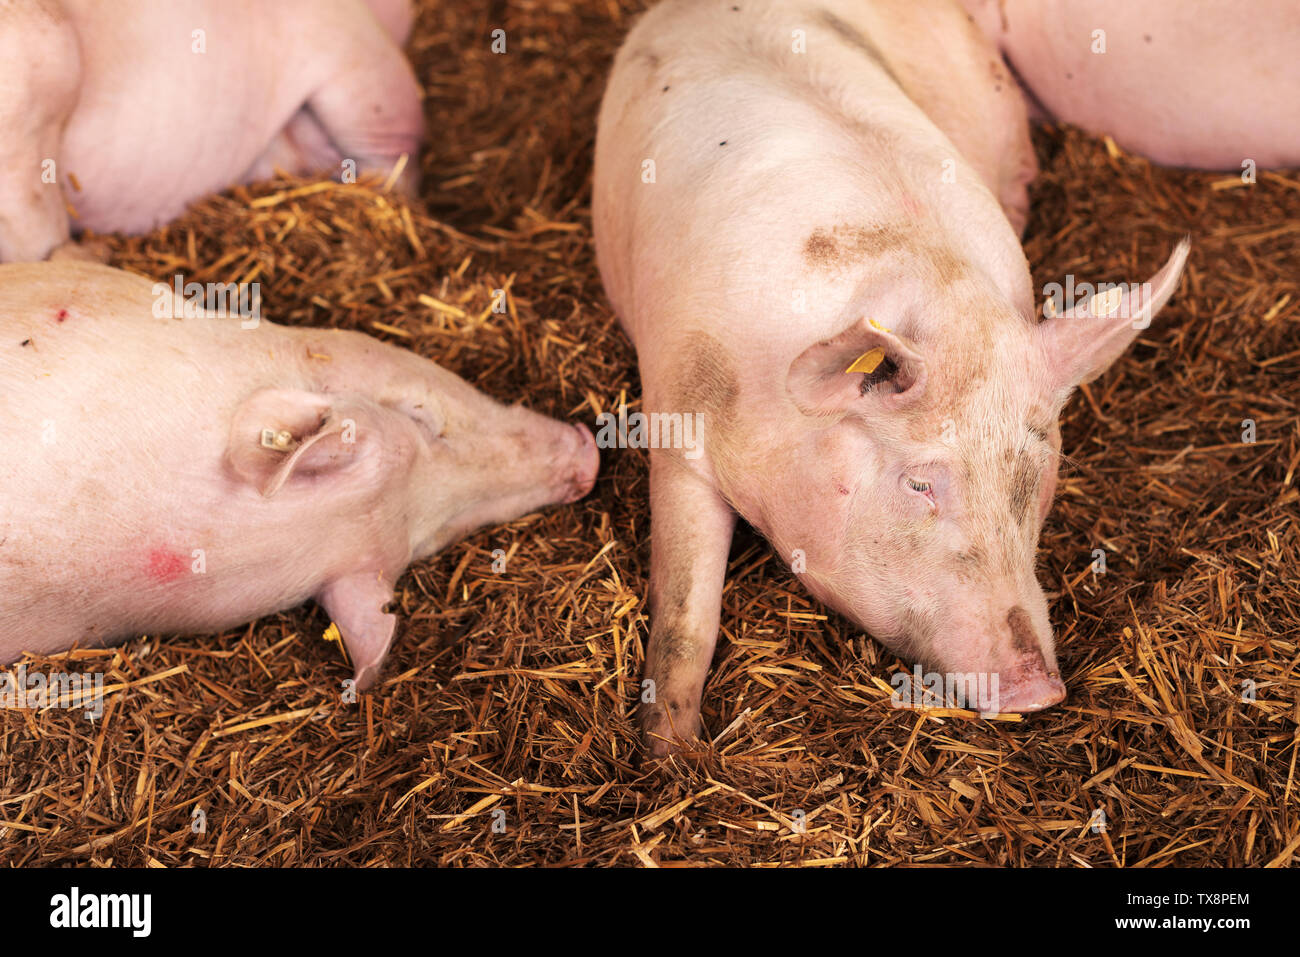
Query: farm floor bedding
{"points": [[502, 731]]}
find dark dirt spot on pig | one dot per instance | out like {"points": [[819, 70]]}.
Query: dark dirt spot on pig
{"points": [[668, 604], [971, 562], [856, 38], [847, 244], [821, 249], [671, 649], [710, 386], [1024, 486], [1023, 640], [1146, 37], [948, 266]]}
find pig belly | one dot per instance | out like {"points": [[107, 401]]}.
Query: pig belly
{"points": [[146, 151], [1207, 84]]}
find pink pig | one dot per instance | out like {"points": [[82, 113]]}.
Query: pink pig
{"points": [[170, 475], [807, 219], [128, 111], [1212, 84]]}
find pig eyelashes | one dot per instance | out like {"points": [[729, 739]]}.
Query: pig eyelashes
{"points": [[922, 488]]}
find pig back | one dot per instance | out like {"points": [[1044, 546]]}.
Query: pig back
{"points": [[724, 153]]}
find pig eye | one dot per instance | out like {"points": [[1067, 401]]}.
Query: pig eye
{"points": [[916, 486]]}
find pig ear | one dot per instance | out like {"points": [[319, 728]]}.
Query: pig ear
{"points": [[1083, 342], [278, 433], [865, 364]]}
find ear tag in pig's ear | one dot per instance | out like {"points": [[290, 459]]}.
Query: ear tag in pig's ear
{"points": [[831, 378], [1103, 304], [331, 426], [278, 433], [281, 441], [868, 361]]}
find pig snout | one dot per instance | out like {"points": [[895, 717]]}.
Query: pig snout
{"points": [[582, 462], [558, 459], [1026, 682]]}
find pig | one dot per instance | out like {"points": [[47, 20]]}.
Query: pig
{"points": [[806, 216], [189, 474], [1210, 85], [126, 112]]}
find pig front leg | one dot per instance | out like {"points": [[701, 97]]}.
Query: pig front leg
{"points": [[396, 16], [372, 111], [40, 76], [690, 538], [356, 604]]}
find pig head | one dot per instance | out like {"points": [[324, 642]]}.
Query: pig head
{"points": [[253, 468], [902, 471], [934, 462]]}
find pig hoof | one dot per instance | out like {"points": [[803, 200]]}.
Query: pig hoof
{"points": [[670, 729]]}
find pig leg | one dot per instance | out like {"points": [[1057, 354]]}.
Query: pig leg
{"points": [[1018, 172], [40, 75], [690, 538], [356, 604], [372, 112], [397, 17], [303, 146]]}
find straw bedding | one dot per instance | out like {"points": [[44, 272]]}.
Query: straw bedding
{"points": [[502, 731]]}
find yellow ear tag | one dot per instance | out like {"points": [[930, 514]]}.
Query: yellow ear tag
{"points": [[867, 362], [877, 325], [332, 633]]}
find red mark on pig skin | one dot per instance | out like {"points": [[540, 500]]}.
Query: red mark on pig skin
{"points": [[63, 314], [165, 565]]}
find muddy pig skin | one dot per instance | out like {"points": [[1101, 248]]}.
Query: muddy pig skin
{"points": [[806, 216], [1199, 83], [129, 110], [164, 475]]}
